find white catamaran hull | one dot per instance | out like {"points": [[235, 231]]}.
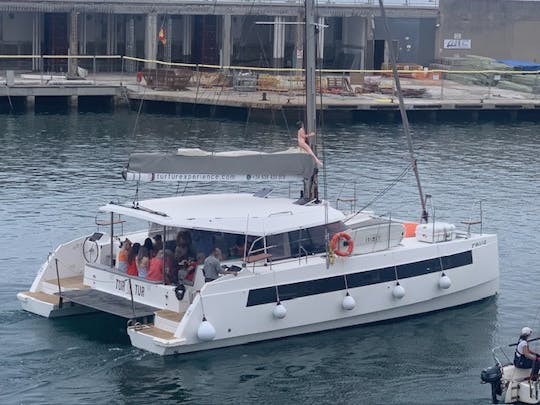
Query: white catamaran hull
{"points": [[241, 308], [236, 322]]}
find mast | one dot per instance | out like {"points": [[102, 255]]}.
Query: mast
{"points": [[310, 32], [309, 44], [404, 118]]}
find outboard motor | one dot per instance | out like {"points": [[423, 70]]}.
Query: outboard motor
{"points": [[493, 376]]}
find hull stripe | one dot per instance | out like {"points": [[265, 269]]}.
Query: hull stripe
{"points": [[267, 295]]}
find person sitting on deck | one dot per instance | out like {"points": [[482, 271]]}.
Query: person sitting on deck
{"points": [[212, 267], [303, 138], [525, 357]]}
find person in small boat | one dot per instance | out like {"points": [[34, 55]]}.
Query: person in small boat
{"points": [[122, 259], [525, 357], [303, 141], [212, 266], [132, 259]]}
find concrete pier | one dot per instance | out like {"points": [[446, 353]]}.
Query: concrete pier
{"points": [[109, 91]]}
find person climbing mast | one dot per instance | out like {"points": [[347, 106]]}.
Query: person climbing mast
{"points": [[303, 138]]}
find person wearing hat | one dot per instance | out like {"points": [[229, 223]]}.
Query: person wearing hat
{"points": [[523, 356]]}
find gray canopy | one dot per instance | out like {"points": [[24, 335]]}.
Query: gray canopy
{"points": [[197, 165]]}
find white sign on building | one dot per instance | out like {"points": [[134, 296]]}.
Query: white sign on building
{"points": [[457, 44]]}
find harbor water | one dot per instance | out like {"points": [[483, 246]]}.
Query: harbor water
{"points": [[56, 170]]}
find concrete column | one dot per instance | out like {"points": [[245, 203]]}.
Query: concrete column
{"points": [[298, 57], [73, 45], [279, 42], [369, 48], [82, 34], [320, 42], [187, 24], [150, 40], [37, 34], [111, 35], [131, 66], [167, 48], [226, 41]]}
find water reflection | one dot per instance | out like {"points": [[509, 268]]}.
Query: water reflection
{"points": [[56, 170]]}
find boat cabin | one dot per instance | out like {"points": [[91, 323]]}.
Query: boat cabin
{"points": [[245, 227]]}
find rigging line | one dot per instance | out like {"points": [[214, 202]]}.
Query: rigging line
{"points": [[403, 112], [138, 113], [247, 121], [384, 191], [265, 62], [9, 98]]}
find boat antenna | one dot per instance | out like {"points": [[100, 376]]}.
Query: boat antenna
{"points": [[404, 118]]}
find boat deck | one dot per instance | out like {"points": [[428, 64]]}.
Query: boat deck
{"points": [[170, 315], [69, 282], [42, 296], [109, 303], [151, 330]]}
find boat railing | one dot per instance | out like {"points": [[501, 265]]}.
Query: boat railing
{"points": [[60, 298], [496, 356], [301, 250], [114, 270], [474, 221]]}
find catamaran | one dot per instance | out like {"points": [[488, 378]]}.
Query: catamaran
{"points": [[294, 265]]}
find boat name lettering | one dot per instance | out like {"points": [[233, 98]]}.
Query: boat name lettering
{"points": [[139, 290], [372, 238], [121, 285], [479, 243], [193, 177], [212, 177], [257, 177]]}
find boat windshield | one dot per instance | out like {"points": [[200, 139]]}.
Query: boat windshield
{"points": [[295, 243], [301, 242]]}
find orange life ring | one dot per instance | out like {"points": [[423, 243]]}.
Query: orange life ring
{"points": [[335, 242]]}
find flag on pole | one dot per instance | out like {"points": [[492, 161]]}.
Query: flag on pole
{"points": [[161, 36]]}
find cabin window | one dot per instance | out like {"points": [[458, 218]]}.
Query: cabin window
{"points": [[278, 246], [312, 240]]}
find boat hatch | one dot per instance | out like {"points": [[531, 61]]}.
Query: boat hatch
{"points": [[109, 303]]}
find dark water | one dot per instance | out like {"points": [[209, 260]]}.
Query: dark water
{"points": [[57, 169]]}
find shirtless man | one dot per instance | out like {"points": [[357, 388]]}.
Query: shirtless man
{"points": [[303, 141]]}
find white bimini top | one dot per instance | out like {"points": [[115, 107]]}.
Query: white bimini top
{"points": [[230, 213]]}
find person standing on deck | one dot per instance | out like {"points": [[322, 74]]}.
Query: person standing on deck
{"points": [[212, 266], [303, 139]]}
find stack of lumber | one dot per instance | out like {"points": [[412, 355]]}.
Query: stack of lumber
{"points": [[487, 72]]}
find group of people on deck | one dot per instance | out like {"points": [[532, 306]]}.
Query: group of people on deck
{"points": [[153, 262], [145, 261]]}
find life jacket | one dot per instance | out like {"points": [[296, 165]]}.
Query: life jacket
{"points": [[520, 360]]}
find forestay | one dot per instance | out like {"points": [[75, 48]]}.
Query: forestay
{"points": [[237, 166]]}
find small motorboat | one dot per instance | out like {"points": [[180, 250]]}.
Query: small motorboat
{"points": [[510, 384]]}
